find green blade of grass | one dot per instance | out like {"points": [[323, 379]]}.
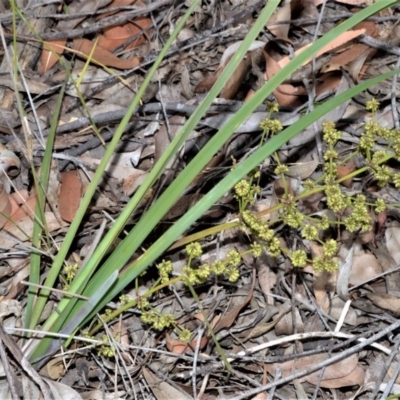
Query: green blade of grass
{"points": [[40, 222]]}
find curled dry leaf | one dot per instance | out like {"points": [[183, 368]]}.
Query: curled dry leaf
{"points": [[343, 373], [364, 268], [161, 389], [286, 94], [386, 301], [84, 48], [50, 54], [53, 49], [234, 82], [115, 36], [339, 41], [70, 194], [21, 211], [302, 170]]}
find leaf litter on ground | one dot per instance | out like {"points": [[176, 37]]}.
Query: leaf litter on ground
{"points": [[270, 301]]}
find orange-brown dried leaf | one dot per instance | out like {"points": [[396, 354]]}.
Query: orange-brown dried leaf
{"points": [[286, 94], [115, 36], [339, 41], [175, 346], [70, 194], [84, 47], [24, 210], [50, 54]]}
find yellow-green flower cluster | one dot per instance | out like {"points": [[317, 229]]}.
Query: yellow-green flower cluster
{"points": [[396, 144], [330, 248], [194, 250], [359, 217], [309, 184], [382, 175], [325, 263], [380, 206], [185, 335], [256, 249], [335, 198], [157, 320], [310, 232], [292, 217], [142, 303], [271, 125], [281, 169], [245, 193], [164, 269], [272, 107], [372, 105], [105, 350], [323, 223], [331, 154], [260, 229], [70, 271], [125, 299], [396, 180], [299, 258], [330, 134]]}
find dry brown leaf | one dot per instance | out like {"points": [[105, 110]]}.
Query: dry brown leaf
{"points": [[364, 268], [133, 181], [282, 187], [356, 54], [339, 41], [161, 389], [182, 205], [70, 193], [53, 49], [386, 301], [175, 346], [302, 170], [286, 94], [282, 14], [50, 54], [335, 376], [266, 279], [54, 369], [286, 326], [84, 48], [25, 210], [115, 36], [233, 83], [229, 317]]}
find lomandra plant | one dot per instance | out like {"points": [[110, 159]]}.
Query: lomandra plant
{"points": [[102, 279]]}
